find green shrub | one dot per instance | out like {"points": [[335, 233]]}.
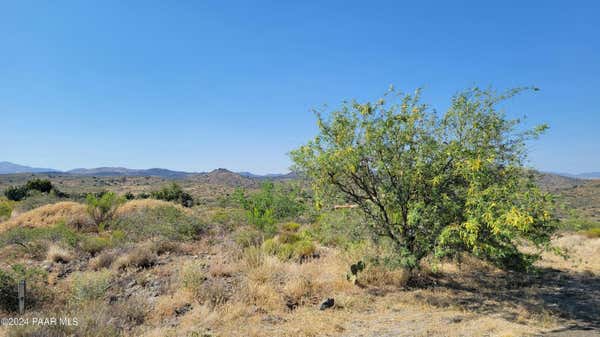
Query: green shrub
{"points": [[41, 185], [94, 244], [24, 236], [270, 204], [102, 209], [15, 193], [290, 244], [6, 209], [166, 221], [174, 193], [91, 285], [339, 228]]}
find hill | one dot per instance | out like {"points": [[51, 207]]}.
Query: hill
{"points": [[122, 171], [11, 168]]}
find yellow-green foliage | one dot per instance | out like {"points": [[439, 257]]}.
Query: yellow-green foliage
{"points": [[6, 208], [434, 184], [95, 244], [290, 244], [592, 233], [89, 286]]}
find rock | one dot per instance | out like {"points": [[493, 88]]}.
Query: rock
{"points": [[328, 303], [291, 304], [183, 309]]}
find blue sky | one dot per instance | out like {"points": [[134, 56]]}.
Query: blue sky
{"points": [[196, 85]]}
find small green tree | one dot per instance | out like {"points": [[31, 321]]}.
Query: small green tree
{"points": [[15, 193], [102, 209], [432, 184], [270, 204], [42, 185], [174, 193]]}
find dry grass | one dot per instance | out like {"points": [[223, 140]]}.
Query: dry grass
{"points": [[139, 257], [135, 206], [74, 214], [582, 252], [58, 254], [103, 260]]}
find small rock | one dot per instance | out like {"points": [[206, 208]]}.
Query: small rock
{"points": [[183, 309], [328, 303], [291, 304]]}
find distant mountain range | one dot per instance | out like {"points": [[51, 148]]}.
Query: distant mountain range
{"points": [[10, 168], [585, 175]]}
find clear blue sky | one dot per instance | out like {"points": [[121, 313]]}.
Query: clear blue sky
{"points": [[196, 85]]}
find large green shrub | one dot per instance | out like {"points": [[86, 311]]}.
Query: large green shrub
{"points": [[16, 193], [174, 193], [42, 185], [433, 184]]}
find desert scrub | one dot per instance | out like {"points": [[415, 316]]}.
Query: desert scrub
{"points": [[36, 286], [6, 208], [290, 243], [95, 244], [26, 237], [339, 228], [192, 277], [248, 237], [102, 209], [59, 254], [89, 286], [592, 233], [165, 221], [139, 257]]}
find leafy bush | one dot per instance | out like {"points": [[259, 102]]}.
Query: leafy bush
{"points": [[18, 193], [6, 209], [270, 204], [15, 193], [41, 185], [102, 209], [290, 244], [431, 184], [340, 228], [166, 221], [174, 193]]}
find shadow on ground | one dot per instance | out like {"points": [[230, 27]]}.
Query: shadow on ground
{"points": [[574, 297]]}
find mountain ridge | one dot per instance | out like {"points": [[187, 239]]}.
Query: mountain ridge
{"points": [[104, 171]]}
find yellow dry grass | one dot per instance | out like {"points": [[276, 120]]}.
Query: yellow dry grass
{"points": [[73, 213], [134, 206], [582, 253]]}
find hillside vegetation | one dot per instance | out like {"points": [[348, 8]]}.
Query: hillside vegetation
{"points": [[399, 224]]}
